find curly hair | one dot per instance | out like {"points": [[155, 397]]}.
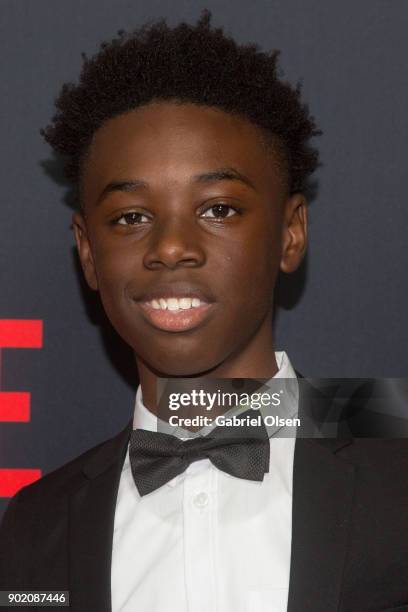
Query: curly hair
{"points": [[188, 63]]}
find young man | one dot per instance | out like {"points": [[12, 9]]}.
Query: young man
{"points": [[191, 160]]}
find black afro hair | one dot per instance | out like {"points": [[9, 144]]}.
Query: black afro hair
{"points": [[187, 63]]}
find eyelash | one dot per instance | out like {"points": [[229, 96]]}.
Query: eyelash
{"points": [[123, 215]]}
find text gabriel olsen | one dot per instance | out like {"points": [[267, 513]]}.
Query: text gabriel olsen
{"points": [[223, 421]]}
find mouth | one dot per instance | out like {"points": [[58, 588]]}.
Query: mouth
{"points": [[176, 306], [176, 314]]}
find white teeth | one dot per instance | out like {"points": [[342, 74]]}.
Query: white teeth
{"points": [[183, 303], [173, 304]]}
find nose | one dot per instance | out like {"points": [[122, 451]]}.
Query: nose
{"points": [[174, 243]]}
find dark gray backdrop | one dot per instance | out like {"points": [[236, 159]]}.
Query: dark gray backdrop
{"points": [[349, 317]]}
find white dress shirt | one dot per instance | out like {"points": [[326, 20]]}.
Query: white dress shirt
{"points": [[205, 541]]}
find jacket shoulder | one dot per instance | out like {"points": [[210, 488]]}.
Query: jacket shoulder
{"points": [[59, 482]]}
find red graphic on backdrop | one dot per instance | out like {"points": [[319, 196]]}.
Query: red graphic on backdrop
{"points": [[15, 405], [11, 481]]}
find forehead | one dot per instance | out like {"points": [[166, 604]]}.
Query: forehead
{"points": [[165, 142]]}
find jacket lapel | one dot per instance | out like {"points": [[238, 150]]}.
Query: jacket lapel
{"points": [[91, 521], [322, 499], [323, 485]]}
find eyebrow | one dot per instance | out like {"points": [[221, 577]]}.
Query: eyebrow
{"points": [[219, 174]]}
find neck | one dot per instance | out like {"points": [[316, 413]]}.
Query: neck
{"points": [[256, 361]]}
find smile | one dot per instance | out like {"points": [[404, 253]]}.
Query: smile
{"points": [[173, 303], [176, 314]]}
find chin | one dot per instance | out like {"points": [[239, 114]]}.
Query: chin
{"points": [[189, 368], [165, 364]]}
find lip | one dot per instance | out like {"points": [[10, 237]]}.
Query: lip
{"points": [[176, 321]]}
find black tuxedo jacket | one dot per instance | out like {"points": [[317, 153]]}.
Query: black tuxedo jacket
{"points": [[349, 527]]}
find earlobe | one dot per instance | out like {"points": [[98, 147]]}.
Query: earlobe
{"points": [[84, 250], [294, 239]]}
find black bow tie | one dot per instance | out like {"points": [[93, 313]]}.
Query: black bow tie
{"points": [[156, 458]]}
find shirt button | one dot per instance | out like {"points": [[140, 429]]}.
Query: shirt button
{"points": [[201, 500]]}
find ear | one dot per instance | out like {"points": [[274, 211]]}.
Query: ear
{"points": [[294, 238], [84, 250]]}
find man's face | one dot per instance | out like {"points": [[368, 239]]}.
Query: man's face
{"points": [[184, 201]]}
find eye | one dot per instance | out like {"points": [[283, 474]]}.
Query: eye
{"points": [[131, 218], [221, 211]]}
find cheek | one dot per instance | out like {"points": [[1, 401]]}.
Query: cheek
{"points": [[113, 269], [249, 271]]}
